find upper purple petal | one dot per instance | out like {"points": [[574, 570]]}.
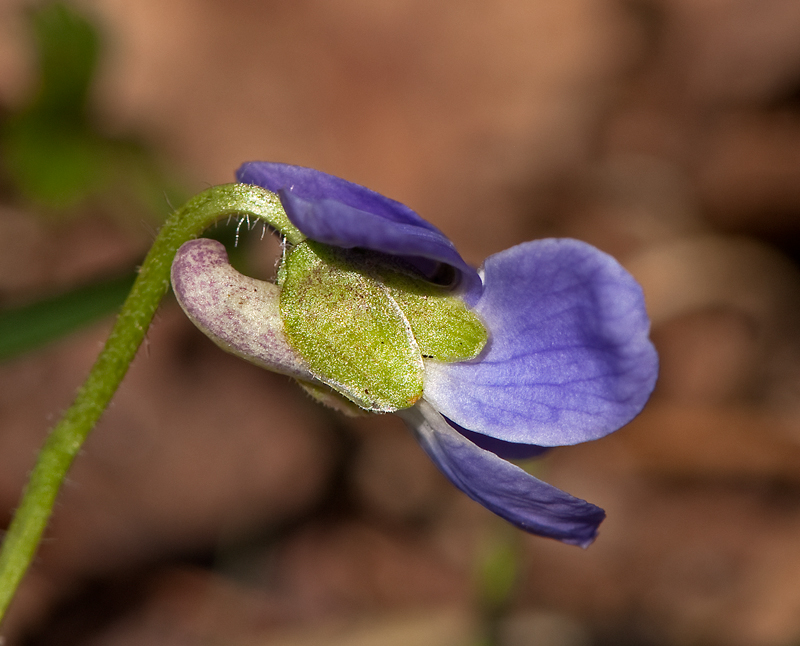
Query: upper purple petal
{"points": [[334, 211], [569, 357], [500, 486]]}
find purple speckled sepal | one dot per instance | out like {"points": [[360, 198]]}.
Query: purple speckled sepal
{"points": [[240, 314]]}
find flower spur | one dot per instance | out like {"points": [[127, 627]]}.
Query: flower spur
{"points": [[374, 308]]}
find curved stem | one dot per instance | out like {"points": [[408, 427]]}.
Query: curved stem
{"points": [[67, 437]]}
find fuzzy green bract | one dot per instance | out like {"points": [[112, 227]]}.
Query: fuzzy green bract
{"points": [[349, 330], [364, 327], [443, 327]]}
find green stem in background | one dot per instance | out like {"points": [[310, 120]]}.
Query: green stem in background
{"points": [[66, 439], [497, 573]]}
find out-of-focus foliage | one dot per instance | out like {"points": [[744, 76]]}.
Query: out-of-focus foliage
{"points": [[27, 327], [57, 161], [52, 149]]}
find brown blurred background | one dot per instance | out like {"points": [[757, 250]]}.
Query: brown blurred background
{"points": [[216, 504]]}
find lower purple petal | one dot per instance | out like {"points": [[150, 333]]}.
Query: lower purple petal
{"points": [[501, 448], [500, 486], [569, 358]]}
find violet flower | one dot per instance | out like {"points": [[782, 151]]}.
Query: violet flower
{"points": [[568, 358]]}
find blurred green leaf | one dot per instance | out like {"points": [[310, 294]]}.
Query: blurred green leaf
{"points": [[29, 326], [57, 159], [52, 149], [49, 148], [68, 47], [56, 164]]}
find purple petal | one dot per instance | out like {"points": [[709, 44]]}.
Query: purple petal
{"points": [[313, 185], [501, 448], [501, 487], [569, 358], [342, 214]]}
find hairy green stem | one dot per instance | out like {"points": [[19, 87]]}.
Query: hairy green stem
{"points": [[67, 437]]}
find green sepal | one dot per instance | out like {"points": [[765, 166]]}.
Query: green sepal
{"points": [[443, 327], [352, 334]]}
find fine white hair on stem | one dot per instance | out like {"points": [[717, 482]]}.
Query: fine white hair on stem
{"points": [[238, 226]]}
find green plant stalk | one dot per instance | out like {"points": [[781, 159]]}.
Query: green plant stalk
{"points": [[67, 437]]}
